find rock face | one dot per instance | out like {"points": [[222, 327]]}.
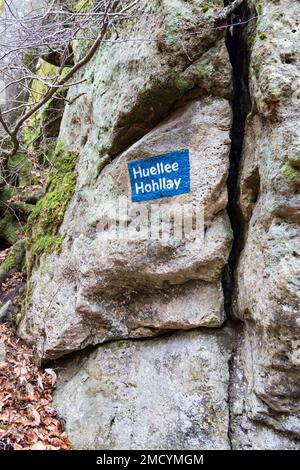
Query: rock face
{"points": [[93, 291], [154, 394], [218, 387], [268, 271], [171, 284]]}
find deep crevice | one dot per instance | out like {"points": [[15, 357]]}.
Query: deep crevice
{"points": [[241, 105], [239, 58]]}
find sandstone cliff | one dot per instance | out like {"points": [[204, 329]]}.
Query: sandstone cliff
{"points": [[232, 378]]}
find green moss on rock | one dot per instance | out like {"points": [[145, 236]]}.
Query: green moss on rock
{"points": [[45, 220], [258, 4], [13, 261], [183, 84], [251, 33], [262, 35], [154, 4], [6, 193], [8, 230], [10, 227], [41, 131], [291, 174], [45, 244], [7, 266], [25, 302], [204, 75]]}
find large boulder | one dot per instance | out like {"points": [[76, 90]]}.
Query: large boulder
{"points": [[96, 290], [166, 393]]}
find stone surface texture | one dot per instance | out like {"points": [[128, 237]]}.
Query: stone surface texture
{"points": [[232, 386], [161, 393], [268, 274], [97, 290]]}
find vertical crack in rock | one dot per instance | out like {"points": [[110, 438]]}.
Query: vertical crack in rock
{"points": [[238, 53]]}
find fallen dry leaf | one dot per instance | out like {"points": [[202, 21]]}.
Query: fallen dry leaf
{"points": [[40, 382], [53, 376], [35, 415]]}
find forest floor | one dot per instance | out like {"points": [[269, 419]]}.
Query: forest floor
{"points": [[28, 420]]}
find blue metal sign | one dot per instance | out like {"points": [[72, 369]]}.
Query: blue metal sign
{"points": [[161, 176]]}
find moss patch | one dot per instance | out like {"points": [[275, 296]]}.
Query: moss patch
{"points": [[7, 265], [6, 193], [8, 229], [26, 302], [45, 220], [291, 174], [13, 261], [251, 34], [262, 35], [205, 7]]}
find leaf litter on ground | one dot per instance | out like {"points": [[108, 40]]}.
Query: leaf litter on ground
{"points": [[28, 420]]}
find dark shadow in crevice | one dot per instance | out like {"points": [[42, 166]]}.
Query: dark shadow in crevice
{"points": [[241, 105]]}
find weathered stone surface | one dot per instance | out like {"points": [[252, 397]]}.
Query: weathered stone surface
{"points": [[252, 424], [104, 294], [165, 393], [268, 273], [186, 391], [96, 290], [128, 88]]}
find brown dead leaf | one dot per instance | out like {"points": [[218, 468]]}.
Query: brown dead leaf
{"points": [[21, 373], [53, 376], [39, 446], [30, 392], [35, 415], [40, 382]]}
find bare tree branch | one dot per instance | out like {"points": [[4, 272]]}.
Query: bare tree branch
{"points": [[48, 33]]}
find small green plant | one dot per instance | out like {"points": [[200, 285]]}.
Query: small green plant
{"points": [[205, 7]]}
